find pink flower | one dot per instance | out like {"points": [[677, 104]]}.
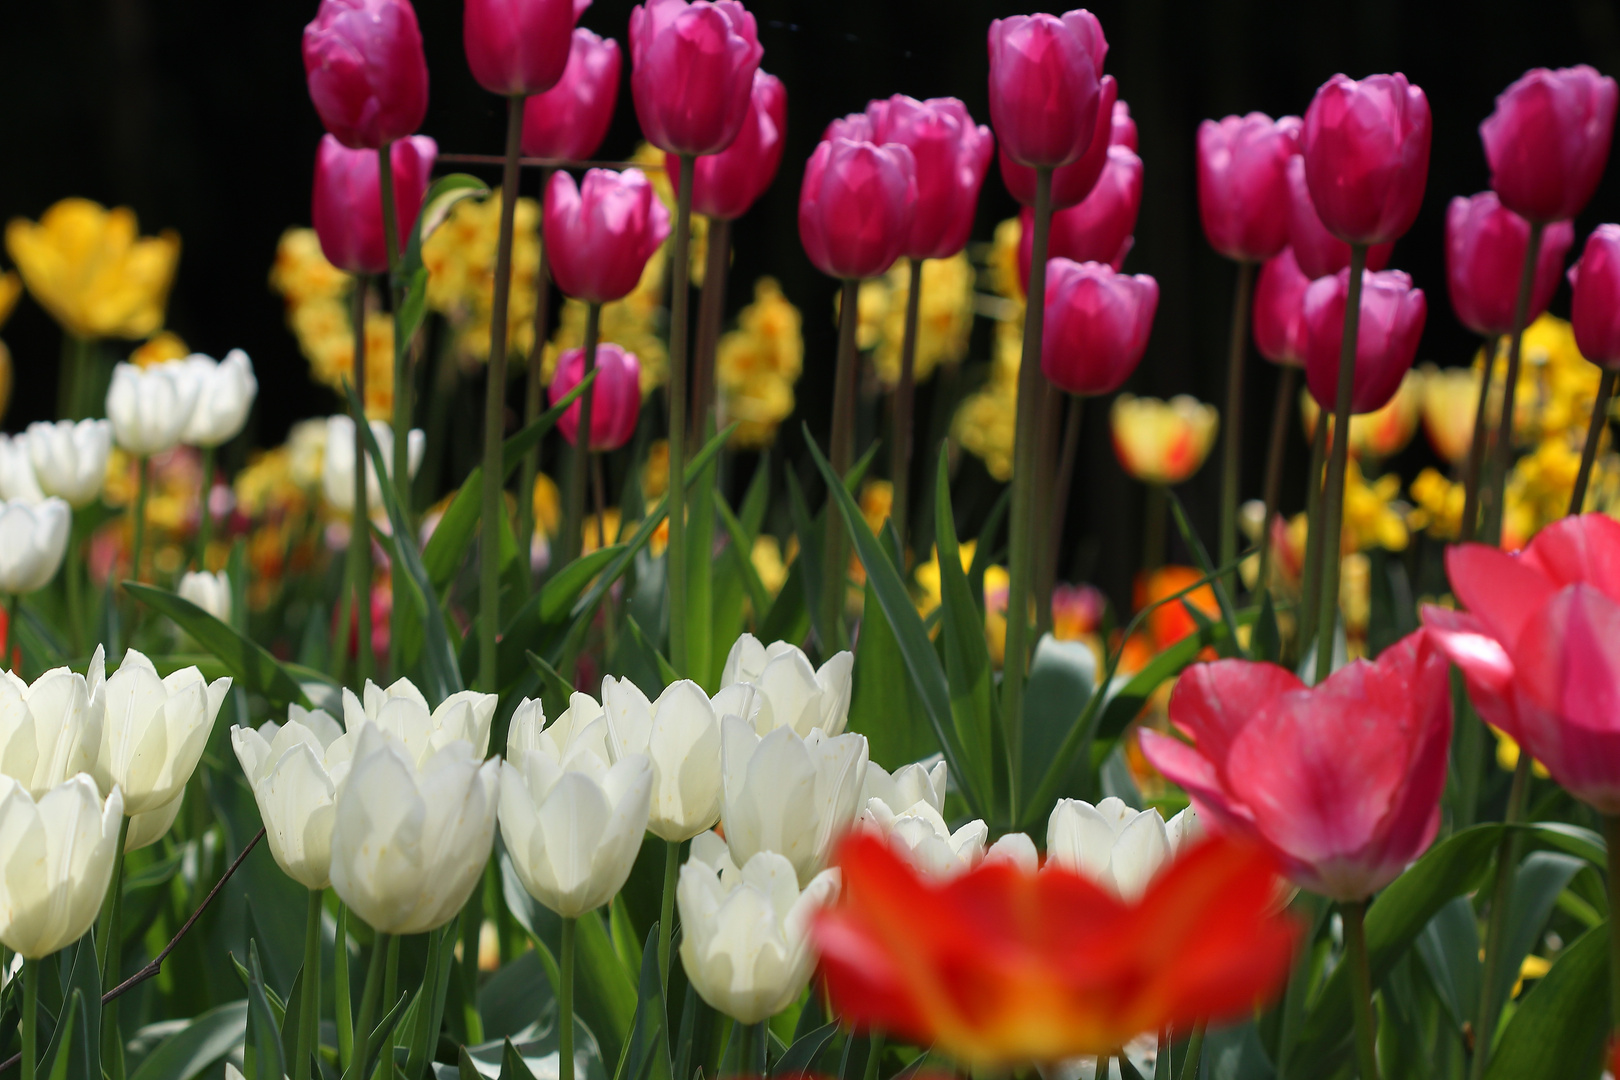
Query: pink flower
{"points": [[856, 206], [600, 235], [1097, 325], [1392, 315], [519, 47], [951, 155], [1366, 150], [570, 120], [1595, 310], [692, 72], [1099, 229], [726, 184], [1485, 245], [1317, 251], [1548, 140], [347, 207], [1123, 128], [1243, 183], [1045, 75], [366, 72], [1071, 183], [615, 396], [1279, 310]]}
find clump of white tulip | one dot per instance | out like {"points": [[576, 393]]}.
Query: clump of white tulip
{"points": [[225, 393], [680, 735], [151, 407], [49, 730], [153, 729], [792, 693], [909, 813], [33, 540], [1112, 844], [17, 480]]}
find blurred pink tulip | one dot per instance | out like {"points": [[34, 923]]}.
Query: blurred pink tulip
{"points": [[1243, 183], [615, 396], [1045, 75], [1595, 310], [856, 206], [1279, 310], [951, 155], [600, 234], [1485, 244], [569, 121], [1548, 140], [726, 184], [347, 209], [1123, 130], [519, 47], [366, 72], [1097, 325], [1392, 315], [1317, 251], [692, 72], [1099, 229], [1366, 150]]}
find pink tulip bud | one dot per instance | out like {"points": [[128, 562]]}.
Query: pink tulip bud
{"points": [[1243, 183], [519, 47], [1392, 314], [1099, 229], [1045, 72], [856, 206], [951, 155], [1071, 183], [1485, 244], [1595, 311], [1279, 310], [1548, 140], [366, 72], [600, 234], [347, 207], [615, 396], [1123, 129], [726, 184], [1318, 252], [570, 120], [1097, 325], [692, 72], [1366, 150]]}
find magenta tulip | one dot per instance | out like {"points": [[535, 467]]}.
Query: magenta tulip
{"points": [[366, 72], [1045, 79], [1123, 129], [1243, 183], [600, 234], [569, 121], [692, 72], [1279, 310], [615, 396], [519, 47], [1366, 150], [856, 207], [1485, 244], [1099, 229], [1595, 310], [1071, 183], [1318, 252], [951, 155], [1097, 325], [725, 185], [1392, 314], [1548, 140], [1341, 781], [347, 208]]}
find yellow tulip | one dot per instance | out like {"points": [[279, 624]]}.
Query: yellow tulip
{"points": [[1450, 398], [1162, 442], [1383, 433]]}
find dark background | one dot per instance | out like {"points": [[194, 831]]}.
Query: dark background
{"points": [[195, 114]]}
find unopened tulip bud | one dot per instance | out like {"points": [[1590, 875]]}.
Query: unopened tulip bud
{"points": [[295, 774], [1098, 229], [680, 735], [600, 233], [1317, 251], [950, 155], [346, 208], [1366, 151], [1485, 245], [1548, 140], [856, 207], [1071, 183], [615, 396], [692, 72], [1595, 309], [33, 540], [570, 120], [518, 47], [154, 729], [70, 459], [366, 71], [225, 394], [1392, 316], [402, 711], [1097, 325], [790, 691], [1279, 310], [49, 729], [209, 591], [1162, 442], [18, 481], [1243, 183], [1117, 847]]}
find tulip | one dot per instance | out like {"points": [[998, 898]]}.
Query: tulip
{"points": [[402, 711], [1392, 315], [209, 591], [347, 209], [1449, 397], [295, 774], [1058, 965], [70, 459], [600, 234], [570, 120], [519, 47], [857, 206], [153, 730], [1273, 758], [366, 71], [1045, 74], [906, 786], [1123, 129], [1071, 183], [337, 472], [792, 693], [1162, 442], [1485, 247], [1097, 325], [1317, 251], [1366, 151], [1099, 229], [950, 156], [1595, 309], [18, 481], [921, 834], [409, 839], [33, 540], [615, 396], [225, 394], [148, 828], [1548, 140], [1279, 310], [1119, 848], [56, 858], [1243, 183], [49, 729], [745, 940], [692, 72], [680, 735], [726, 184], [150, 407]]}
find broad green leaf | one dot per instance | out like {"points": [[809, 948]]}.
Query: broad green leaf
{"points": [[967, 656], [666, 670], [1449, 949], [757, 499], [68, 1047], [884, 708], [517, 993], [800, 1058], [249, 663], [542, 617], [441, 197], [77, 1049], [599, 966], [808, 564], [1062, 678], [1536, 885], [648, 1046], [423, 1035], [1558, 1029], [265, 1026], [454, 533], [788, 618], [742, 560]]}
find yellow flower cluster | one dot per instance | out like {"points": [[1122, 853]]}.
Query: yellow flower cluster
{"points": [[1374, 517], [757, 365], [460, 259], [985, 422], [1162, 442], [944, 316], [1450, 398]]}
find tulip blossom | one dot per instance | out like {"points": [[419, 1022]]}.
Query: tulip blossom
{"points": [[921, 833], [1119, 848], [366, 71], [1485, 246], [1097, 325], [1317, 251], [18, 482], [209, 591], [1123, 129], [1392, 315], [792, 693], [518, 47], [1162, 442], [49, 729], [950, 155], [1366, 151], [1279, 310], [154, 729], [726, 184], [225, 393], [346, 207], [400, 710], [692, 72], [70, 459], [600, 234], [906, 786], [1243, 183], [337, 471], [1595, 309], [1449, 398], [33, 540], [1340, 781], [295, 770], [680, 735], [569, 121], [1045, 75], [615, 396], [1071, 183], [150, 407], [856, 206], [1099, 229], [1548, 140], [56, 858]]}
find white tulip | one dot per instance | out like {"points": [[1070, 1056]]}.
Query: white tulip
{"points": [[337, 472], [295, 770], [209, 591], [153, 730], [33, 540], [1015, 849], [409, 840], [18, 482], [150, 407], [1114, 845], [148, 828], [788, 794], [745, 940], [909, 785], [796, 695], [56, 858], [48, 730], [680, 733], [70, 459], [306, 446], [402, 712], [225, 393], [582, 726], [922, 834]]}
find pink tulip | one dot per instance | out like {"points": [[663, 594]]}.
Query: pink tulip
{"points": [[519, 47], [1123, 130], [951, 155], [1071, 183], [856, 206], [1366, 150], [1392, 314], [366, 72], [1097, 325], [615, 396], [1279, 310], [1539, 647], [1595, 310], [1045, 75], [692, 72], [1485, 244], [1548, 140], [569, 121], [1341, 782], [726, 184], [600, 234], [1318, 252], [347, 207], [1099, 229], [1243, 183]]}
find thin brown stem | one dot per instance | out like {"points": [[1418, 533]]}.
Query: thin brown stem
{"points": [[905, 393], [360, 521], [675, 558], [1063, 483], [1232, 444], [1047, 529], [1504, 423], [573, 539], [1310, 591], [1332, 515]]}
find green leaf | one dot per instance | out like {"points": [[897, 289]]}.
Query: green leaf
{"points": [[542, 617], [513, 1067], [967, 656], [453, 535], [666, 670], [1267, 639], [699, 629], [742, 559], [808, 562], [1207, 568], [1449, 949], [68, 1047], [423, 1036], [886, 709], [757, 499], [599, 966], [513, 449], [264, 1026], [1062, 678], [1558, 1029], [800, 1058], [292, 1018], [445, 192], [648, 1047], [76, 1048], [250, 664], [1536, 885]]}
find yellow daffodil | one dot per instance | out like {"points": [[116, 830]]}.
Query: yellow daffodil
{"points": [[757, 365], [944, 317], [655, 472], [547, 505], [1380, 434], [318, 307], [1440, 505], [460, 259], [160, 348], [1162, 442], [10, 289], [928, 586], [1372, 517]]}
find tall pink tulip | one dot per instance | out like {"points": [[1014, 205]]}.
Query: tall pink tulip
{"points": [[1366, 150], [346, 209], [600, 234], [615, 396], [1123, 129], [1097, 325], [1548, 140], [1341, 781], [1595, 310], [1071, 183], [1485, 244], [1243, 183], [1279, 310], [951, 155], [856, 207], [366, 72], [569, 121], [519, 47], [1099, 229], [726, 184], [1045, 75], [1392, 315], [692, 72], [1318, 252]]}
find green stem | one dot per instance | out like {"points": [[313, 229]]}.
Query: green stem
{"points": [[666, 914], [1507, 860], [1332, 509], [343, 1006], [841, 452], [390, 994], [1611, 830], [1155, 516], [471, 926], [142, 491], [1476, 449], [1195, 1053], [1594, 435], [30, 1018], [579, 460], [905, 392], [1504, 423], [675, 556], [309, 1014], [1232, 422], [205, 515], [1060, 490], [565, 992], [533, 385], [74, 573], [711, 316], [1287, 387], [1311, 585], [874, 1055], [1048, 530], [367, 1019], [1355, 943], [360, 519], [69, 375]]}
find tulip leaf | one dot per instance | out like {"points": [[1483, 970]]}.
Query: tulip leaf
{"points": [[197, 1045], [647, 1050], [602, 969], [800, 1059], [513, 1067], [77, 1049], [428, 1007], [68, 1047], [666, 671], [967, 656], [1558, 1029], [1536, 885], [699, 628], [264, 1028], [808, 564], [540, 617], [1206, 566], [788, 618], [737, 590], [1449, 949], [886, 709], [249, 663], [1062, 678]]}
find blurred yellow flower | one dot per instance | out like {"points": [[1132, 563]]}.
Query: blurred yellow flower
{"points": [[300, 272], [547, 505], [769, 564], [160, 348], [655, 471], [1162, 442], [10, 289], [1379, 434], [1439, 507], [1507, 755], [460, 259], [1372, 517], [928, 588], [318, 305], [1003, 261], [944, 317], [1450, 397], [877, 499], [596, 527], [757, 365]]}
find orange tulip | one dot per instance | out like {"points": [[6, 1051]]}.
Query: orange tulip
{"points": [[1001, 967]]}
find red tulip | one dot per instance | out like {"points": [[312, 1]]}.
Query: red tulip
{"points": [[1097, 325], [1595, 310], [347, 207], [1045, 75], [1318, 252], [1539, 647], [1485, 244], [366, 72], [1279, 310], [1392, 314], [1548, 140], [1341, 781], [1243, 183], [726, 184], [600, 234], [570, 120], [692, 72], [615, 396], [519, 47], [951, 155], [1123, 130], [1071, 183], [1366, 150], [1099, 229], [856, 206]]}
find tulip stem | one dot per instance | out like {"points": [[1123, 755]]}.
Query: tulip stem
{"points": [[874, 1055], [905, 393], [205, 514], [711, 316], [1504, 424], [142, 491], [1310, 591], [1594, 435], [565, 988], [579, 461], [309, 1014], [675, 555], [1195, 1053], [1476, 448], [343, 1003], [841, 452], [1287, 387], [367, 1019], [1611, 831], [533, 385], [360, 520], [1048, 529], [1355, 944], [1155, 511], [1507, 860], [1232, 447], [666, 920]]}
